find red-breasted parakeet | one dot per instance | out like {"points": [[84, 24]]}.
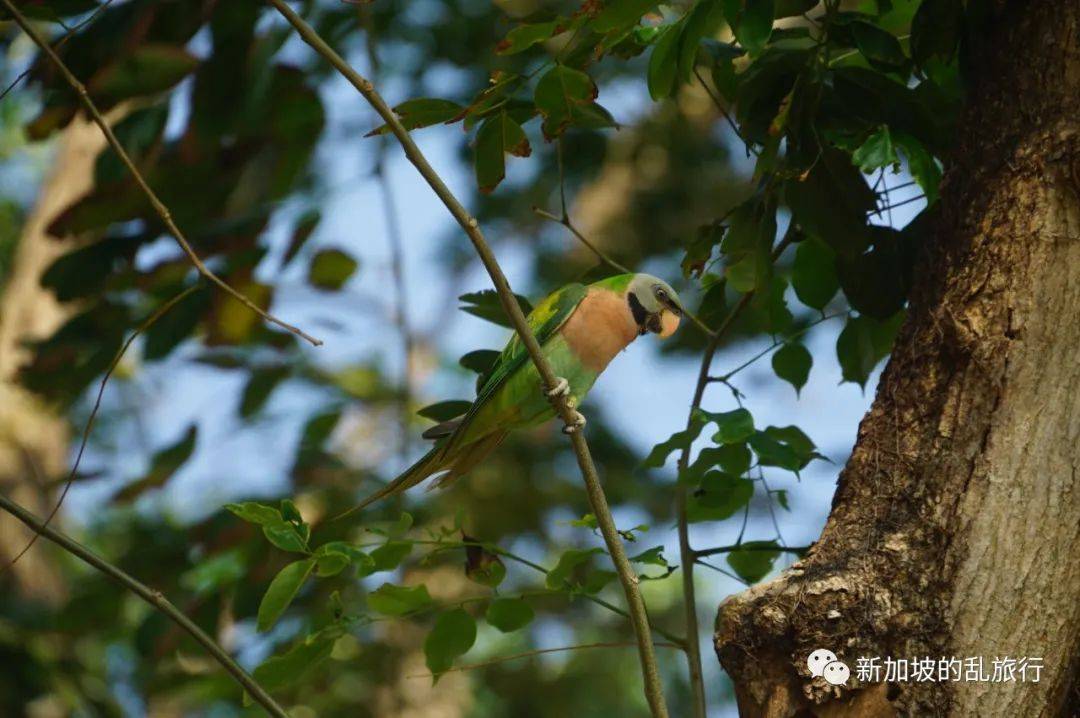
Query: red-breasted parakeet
{"points": [[581, 329]]}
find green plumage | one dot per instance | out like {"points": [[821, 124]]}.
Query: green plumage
{"points": [[510, 395]]}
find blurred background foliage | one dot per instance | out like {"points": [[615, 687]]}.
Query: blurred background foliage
{"points": [[252, 141]]}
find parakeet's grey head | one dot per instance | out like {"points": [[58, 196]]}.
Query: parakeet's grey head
{"points": [[654, 304]]}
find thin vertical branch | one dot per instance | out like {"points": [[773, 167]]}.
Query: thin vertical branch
{"points": [[597, 499], [159, 207], [152, 597], [687, 557]]}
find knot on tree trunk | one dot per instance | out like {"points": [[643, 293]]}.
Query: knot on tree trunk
{"points": [[765, 635]]}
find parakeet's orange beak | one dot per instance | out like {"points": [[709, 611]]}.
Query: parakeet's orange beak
{"points": [[669, 322]]}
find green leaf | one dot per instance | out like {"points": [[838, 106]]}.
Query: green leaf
{"points": [[149, 68], [289, 668], [936, 30], [677, 441], [522, 37], [282, 591], [747, 244], [392, 600], [876, 283], [214, 572], [651, 557], [664, 62], [568, 562], [754, 25], [831, 202], [486, 305], [453, 635], [422, 112], [565, 97], [732, 427], [445, 410], [754, 560], [305, 227], [701, 22], [924, 169], [731, 458], [388, 556], [797, 440], [258, 388], [621, 14], [334, 557], [286, 536], [768, 311], [165, 463], [509, 614], [498, 136], [330, 269], [479, 361], [773, 452], [255, 513], [876, 152], [718, 498], [792, 363], [863, 343], [878, 46], [813, 275], [792, 8]]}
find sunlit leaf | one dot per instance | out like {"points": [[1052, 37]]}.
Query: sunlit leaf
{"points": [[282, 591]]}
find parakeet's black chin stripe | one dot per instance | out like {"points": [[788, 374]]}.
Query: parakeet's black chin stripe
{"points": [[641, 316]]}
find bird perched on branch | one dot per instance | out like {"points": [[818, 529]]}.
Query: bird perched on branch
{"points": [[580, 329]]}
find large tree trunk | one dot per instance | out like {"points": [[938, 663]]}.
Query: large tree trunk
{"points": [[955, 529], [33, 438]]}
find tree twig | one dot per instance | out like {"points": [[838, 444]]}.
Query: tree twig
{"points": [[159, 207], [69, 31], [723, 111], [536, 652], [597, 499], [686, 551], [155, 598], [157, 314]]}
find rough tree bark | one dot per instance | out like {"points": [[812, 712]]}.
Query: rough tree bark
{"points": [[33, 437], [955, 528]]}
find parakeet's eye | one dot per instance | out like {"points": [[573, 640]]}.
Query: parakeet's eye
{"points": [[661, 294]]}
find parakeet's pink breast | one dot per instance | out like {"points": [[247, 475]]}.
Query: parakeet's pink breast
{"points": [[600, 328]]}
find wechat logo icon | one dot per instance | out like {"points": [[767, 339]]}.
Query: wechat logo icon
{"points": [[824, 663]]}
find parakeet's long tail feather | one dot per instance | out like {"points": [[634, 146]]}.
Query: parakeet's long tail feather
{"points": [[430, 463]]}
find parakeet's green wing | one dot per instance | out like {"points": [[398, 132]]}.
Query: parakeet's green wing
{"points": [[544, 320]]}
